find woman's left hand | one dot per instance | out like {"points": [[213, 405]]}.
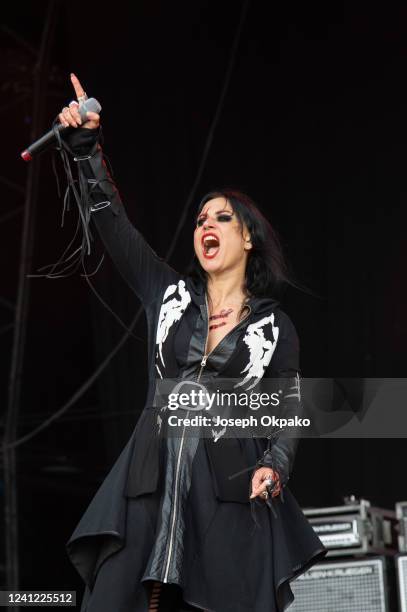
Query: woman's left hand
{"points": [[69, 116], [259, 485]]}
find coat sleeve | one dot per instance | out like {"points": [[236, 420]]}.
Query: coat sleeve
{"points": [[142, 269], [281, 449]]}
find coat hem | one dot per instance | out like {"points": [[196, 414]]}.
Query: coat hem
{"points": [[99, 558], [297, 570]]}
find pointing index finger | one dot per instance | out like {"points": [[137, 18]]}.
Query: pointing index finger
{"points": [[79, 91]]}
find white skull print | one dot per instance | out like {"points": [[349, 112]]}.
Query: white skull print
{"points": [[260, 350]]}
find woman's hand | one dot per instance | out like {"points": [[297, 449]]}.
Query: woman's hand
{"points": [[70, 115], [259, 485]]}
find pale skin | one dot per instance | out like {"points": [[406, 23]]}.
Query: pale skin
{"points": [[225, 270]]}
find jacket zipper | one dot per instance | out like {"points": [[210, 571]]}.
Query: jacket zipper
{"points": [[203, 364], [205, 356]]}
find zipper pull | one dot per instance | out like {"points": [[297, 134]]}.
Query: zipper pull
{"points": [[203, 362]]}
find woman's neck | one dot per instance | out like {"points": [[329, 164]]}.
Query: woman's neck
{"points": [[226, 290]]}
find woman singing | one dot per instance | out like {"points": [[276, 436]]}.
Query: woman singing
{"points": [[207, 522]]}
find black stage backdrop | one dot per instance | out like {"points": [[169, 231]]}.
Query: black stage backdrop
{"points": [[313, 127]]}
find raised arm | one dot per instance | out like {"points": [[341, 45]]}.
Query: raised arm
{"points": [[140, 266]]}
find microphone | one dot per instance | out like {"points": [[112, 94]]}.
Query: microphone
{"points": [[48, 139]]}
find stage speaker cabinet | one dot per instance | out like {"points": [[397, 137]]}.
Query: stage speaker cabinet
{"points": [[363, 585], [401, 514], [355, 528], [401, 570]]}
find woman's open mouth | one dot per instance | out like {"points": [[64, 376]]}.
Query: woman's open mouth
{"points": [[210, 245]]}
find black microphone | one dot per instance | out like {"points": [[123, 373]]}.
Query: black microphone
{"points": [[48, 139]]}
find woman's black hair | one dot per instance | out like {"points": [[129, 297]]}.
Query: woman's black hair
{"points": [[266, 270]]}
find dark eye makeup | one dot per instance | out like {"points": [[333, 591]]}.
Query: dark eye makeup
{"points": [[221, 217]]}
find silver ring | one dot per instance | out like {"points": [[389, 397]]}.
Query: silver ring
{"points": [[265, 494], [81, 99], [269, 482]]}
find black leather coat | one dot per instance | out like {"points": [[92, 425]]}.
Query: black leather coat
{"points": [[263, 346]]}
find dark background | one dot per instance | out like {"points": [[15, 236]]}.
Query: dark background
{"points": [[313, 127]]}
